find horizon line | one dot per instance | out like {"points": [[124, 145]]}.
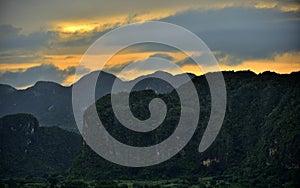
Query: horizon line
{"points": [[199, 75]]}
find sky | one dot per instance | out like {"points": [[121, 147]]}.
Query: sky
{"points": [[45, 40]]}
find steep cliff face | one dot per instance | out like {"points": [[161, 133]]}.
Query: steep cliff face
{"points": [[29, 150]]}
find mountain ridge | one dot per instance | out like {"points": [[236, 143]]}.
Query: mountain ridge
{"points": [[257, 146], [49, 101]]}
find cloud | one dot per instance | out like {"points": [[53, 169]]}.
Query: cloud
{"points": [[13, 42], [22, 14], [81, 70], [163, 56], [204, 58], [12, 39], [228, 59], [146, 62], [81, 39], [244, 33], [236, 31], [46, 72], [146, 66], [152, 63], [14, 58], [9, 30], [145, 47]]}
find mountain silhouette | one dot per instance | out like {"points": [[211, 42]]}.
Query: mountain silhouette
{"points": [[51, 103], [257, 146]]}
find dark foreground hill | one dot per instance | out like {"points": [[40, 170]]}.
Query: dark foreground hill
{"points": [[27, 150], [258, 145]]}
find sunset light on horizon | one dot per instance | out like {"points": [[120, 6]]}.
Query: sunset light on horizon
{"points": [[254, 35]]}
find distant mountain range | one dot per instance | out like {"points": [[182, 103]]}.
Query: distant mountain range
{"points": [[51, 103]]}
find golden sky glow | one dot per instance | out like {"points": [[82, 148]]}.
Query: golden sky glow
{"points": [[17, 67], [35, 35], [104, 23], [72, 28], [284, 64], [262, 66], [63, 61]]}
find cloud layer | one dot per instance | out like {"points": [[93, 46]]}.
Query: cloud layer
{"points": [[48, 44], [31, 75]]}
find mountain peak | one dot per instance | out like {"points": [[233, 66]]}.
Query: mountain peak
{"points": [[46, 83], [7, 89]]}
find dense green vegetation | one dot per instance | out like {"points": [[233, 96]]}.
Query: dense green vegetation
{"points": [[27, 150], [258, 145]]}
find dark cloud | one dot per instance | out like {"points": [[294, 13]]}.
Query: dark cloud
{"points": [[34, 14], [11, 39], [116, 68], [15, 58], [228, 59], [47, 72], [69, 57], [154, 62], [204, 59], [144, 47], [81, 70], [239, 33], [9, 30], [150, 63], [85, 39], [244, 33], [164, 56]]}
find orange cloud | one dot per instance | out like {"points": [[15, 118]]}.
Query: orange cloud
{"points": [[17, 66], [103, 23], [62, 61]]}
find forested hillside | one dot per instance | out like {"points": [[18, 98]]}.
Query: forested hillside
{"points": [[27, 150], [258, 144]]}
